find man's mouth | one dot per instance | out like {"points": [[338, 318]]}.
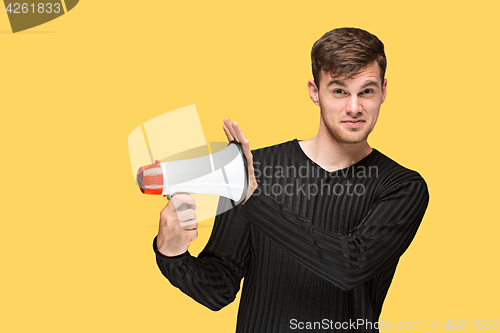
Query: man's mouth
{"points": [[353, 123]]}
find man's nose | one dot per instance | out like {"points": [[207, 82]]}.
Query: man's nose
{"points": [[353, 105]]}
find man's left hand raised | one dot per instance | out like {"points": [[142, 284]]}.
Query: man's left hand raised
{"points": [[234, 132]]}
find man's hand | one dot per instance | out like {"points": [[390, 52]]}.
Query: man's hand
{"points": [[233, 132], [178, 226]]}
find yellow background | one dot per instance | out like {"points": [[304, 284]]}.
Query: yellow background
{"points": [[76, 232]]}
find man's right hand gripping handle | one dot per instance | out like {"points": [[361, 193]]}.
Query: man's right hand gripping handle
{"points": [[178, 225]]}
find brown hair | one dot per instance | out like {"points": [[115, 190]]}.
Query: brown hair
{"points": [[345, 51]]}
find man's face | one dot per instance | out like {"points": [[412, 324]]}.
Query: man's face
{"points": [[350, 107]]}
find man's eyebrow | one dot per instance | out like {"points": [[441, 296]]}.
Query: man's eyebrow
{"points": [[337, 82], [370, 83], [342, 83]]}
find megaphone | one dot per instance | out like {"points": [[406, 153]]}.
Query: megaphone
{"points": [[224, 173]]}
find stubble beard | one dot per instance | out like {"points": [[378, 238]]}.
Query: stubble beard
{"points": [[342, 137]]}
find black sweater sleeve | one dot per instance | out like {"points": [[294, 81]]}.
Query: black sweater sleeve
{"points": [[345, 260], [213, 278]]}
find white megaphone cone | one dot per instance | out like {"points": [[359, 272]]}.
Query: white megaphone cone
{"points": [[224, 173]]}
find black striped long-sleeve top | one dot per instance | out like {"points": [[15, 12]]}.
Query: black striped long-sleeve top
{"points": [[316, 249]]}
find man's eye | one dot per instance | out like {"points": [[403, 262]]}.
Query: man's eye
{"points": [[367, 91], [338, 91]]}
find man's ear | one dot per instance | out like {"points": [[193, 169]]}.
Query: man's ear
{"points": [[384, 90], [313, 92]]}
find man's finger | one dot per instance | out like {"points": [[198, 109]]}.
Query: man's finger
{"points": [[228, 133], [239, 132], [189, 225], [186, 215], [193, 234], [248, 154], [229, 125], [181, 198]]}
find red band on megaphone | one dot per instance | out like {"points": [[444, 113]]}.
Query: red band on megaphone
{"points": [[150, 179]]}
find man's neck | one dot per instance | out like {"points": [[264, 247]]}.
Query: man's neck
{"points": [[332, 155]]}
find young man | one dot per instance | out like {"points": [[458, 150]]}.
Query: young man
{"points": [[325, 220]]}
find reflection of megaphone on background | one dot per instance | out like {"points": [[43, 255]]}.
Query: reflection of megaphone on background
{"points": [[223, 173]]}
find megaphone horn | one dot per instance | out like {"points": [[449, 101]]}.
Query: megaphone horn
{"points": [[224, 173]]}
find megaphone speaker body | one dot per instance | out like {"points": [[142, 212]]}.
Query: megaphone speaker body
{"points": [[224, 173]]}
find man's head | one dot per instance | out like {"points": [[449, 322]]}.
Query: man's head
{"points": [[349, 86]]}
